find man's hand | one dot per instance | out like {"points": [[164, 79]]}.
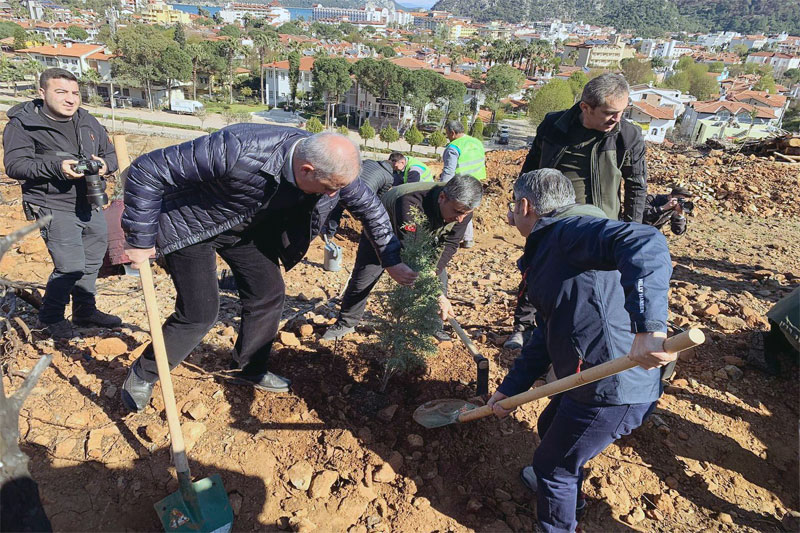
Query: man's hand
{"points": [[670, 205], [648, 350], [445, 308], [104, 167], [678, 209], [402, 274], [498, 411], [139, 255], [68, 171]]}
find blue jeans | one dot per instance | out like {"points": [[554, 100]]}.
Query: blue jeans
{"points": [[572, 433]]}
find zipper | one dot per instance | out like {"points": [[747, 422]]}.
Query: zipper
{"points": [[597, 199]]}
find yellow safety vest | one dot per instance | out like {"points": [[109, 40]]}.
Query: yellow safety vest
{"points": [[425, 173], [471, 157]]}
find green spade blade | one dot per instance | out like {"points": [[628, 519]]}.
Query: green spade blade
{"points": [[201, 506], [438, 413]]}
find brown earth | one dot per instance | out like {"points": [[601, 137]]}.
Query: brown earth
{"points": [[720, 454]]}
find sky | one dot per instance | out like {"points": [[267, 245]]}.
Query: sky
{"points": [[418, 3]]}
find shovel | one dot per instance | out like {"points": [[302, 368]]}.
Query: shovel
{"points": [[437, 413], [201, 506], [482, 379]]}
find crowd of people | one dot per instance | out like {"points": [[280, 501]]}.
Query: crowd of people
{"points": [[594, 272]]}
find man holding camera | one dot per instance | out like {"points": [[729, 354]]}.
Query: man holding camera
{"points": [[55, 148], [670, 207]]}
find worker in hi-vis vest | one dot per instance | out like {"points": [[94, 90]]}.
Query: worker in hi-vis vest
{"points": [[409, 169], [464, 156]]}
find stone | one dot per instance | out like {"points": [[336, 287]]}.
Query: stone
{"points": [[365, 435], [306, 330], [384, 474], [387, 413], [635, 516], [721, 374], [415, 441], [192, 431], [474, 505], [498, 526], [730, 323], [110, 348], [711, 310], [321, 485], [733, 360], [196, 410], [94, 445], [671, 482], [725, 518], [236, 502], [396, 460], [428, 470], [156, 431], [791, 521], [501, 495], [228, 331], [664, 503], [302, 525], [734, 372], [300, 475], [288, 338]]}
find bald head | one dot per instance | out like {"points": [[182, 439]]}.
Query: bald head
{"points": [[325, 163]]}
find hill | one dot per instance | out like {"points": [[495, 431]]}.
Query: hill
{"points": [[646, 17]]}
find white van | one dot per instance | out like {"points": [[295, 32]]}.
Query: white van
{"points": [[187, 107]]}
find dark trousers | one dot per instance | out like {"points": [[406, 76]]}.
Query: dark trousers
{"points": [[194, 273], [524, 312], [366, 273], [572, 433], [77, 243]]}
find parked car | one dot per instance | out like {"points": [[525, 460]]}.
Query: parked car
{"points": [[503, 128], [186, 107], [503, 138], [428, 127]]}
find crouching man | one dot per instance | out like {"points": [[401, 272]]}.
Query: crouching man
{"points": [[447, 207], [600, 288]]}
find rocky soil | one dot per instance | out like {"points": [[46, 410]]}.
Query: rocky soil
{"points": [[720, 453]]}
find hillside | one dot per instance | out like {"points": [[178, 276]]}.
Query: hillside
{"points": [[646, 17]]}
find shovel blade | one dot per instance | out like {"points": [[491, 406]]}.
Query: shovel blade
{"points": [[212, 513], [438, 413]]}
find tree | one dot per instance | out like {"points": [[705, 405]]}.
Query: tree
{"points": [[294, 75], [437, 139], [174, 66], [716, 67], [766, 83], [577, 81], [201, 114], [389, 135], [196, 53], [230, 49], [20, 38], [366, 132], [657, 62], [477, 129], [413, 136], [91, 78], [684, 62], [678, 81], [554, 96], [231, 31], [264, 41], [76, 33], [637, 72], [331, 79], [139, 48], [501, 81], [792, 75], [31, 67], [386, 51], [7, 29], [343, 130], [179, 35], [314, 125]]}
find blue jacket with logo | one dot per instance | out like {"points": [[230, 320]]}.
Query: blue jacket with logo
{"points": [[595, 283]]}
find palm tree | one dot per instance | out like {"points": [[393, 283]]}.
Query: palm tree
{"points": [[263, 42], [91, 78], [231, 49], [31, 67], [196, 53]]}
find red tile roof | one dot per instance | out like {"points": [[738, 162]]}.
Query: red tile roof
{"points": [[305, 64], [772, 100], [733, 107], [662, 112], [76, 50]]}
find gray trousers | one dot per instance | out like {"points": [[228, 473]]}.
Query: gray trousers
{"points": [[77, 243]]}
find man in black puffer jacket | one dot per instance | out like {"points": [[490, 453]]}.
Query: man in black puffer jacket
{"points": [[256, 195]]}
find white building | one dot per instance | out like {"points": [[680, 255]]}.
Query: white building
{"points": [[364, 14], [717, 40], [235, 12], [672, 50], [655, 121], [750, 41], [779, 62], [276, 79]]}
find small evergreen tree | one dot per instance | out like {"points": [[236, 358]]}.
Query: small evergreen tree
{"points": [[437, 139], [343, 130], [366, 132], [314, 125], [408, 322], [389, 135], [413, 136], [477, 129]]}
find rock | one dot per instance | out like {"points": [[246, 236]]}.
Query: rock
{"points": [[236, 502], [428, 470], [671, 482], [386, 414], [156, 431], [365, 435], [415, 441], [730, 323], [733, 360], [501, 495], [302, 525], [721, 374], [664, 503], [300, 475], [228, 331], [474, 505], [196, 410], [635, 516], [110, 348], [711, 310], [498, 526], [321, 485], [306, 330], [384, 474], [734, 372], [396, 460], [288, 338], [725, 518], [192, 431], [94, 445], [683, 435], [791, 521]]}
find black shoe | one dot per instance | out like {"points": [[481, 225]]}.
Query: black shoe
{"points": [[97, 318], [59, 330], [515, 341], [268, 382], [337, 331], [136, 392]]}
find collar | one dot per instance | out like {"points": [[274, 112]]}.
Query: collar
{"points": [[287, 171]]}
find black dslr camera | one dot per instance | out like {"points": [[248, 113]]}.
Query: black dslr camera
{"points": [[95, 188], [686, 205]]}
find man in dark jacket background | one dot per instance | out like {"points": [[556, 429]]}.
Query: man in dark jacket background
{"points": [[598, 151], [43, 141], [448, 210], [662, 208], [256, 195], [600, 288]]}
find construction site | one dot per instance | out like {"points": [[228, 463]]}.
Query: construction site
{"points": [[720, 452]]}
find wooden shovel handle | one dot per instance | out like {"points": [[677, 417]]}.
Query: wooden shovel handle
{"points": [[157, 335], [675, 344], [473, 350]]}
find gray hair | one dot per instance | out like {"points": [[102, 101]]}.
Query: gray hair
{"points": [[465, 190], [316, 150], [547, 189], [600, 89], [455, 126]]}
